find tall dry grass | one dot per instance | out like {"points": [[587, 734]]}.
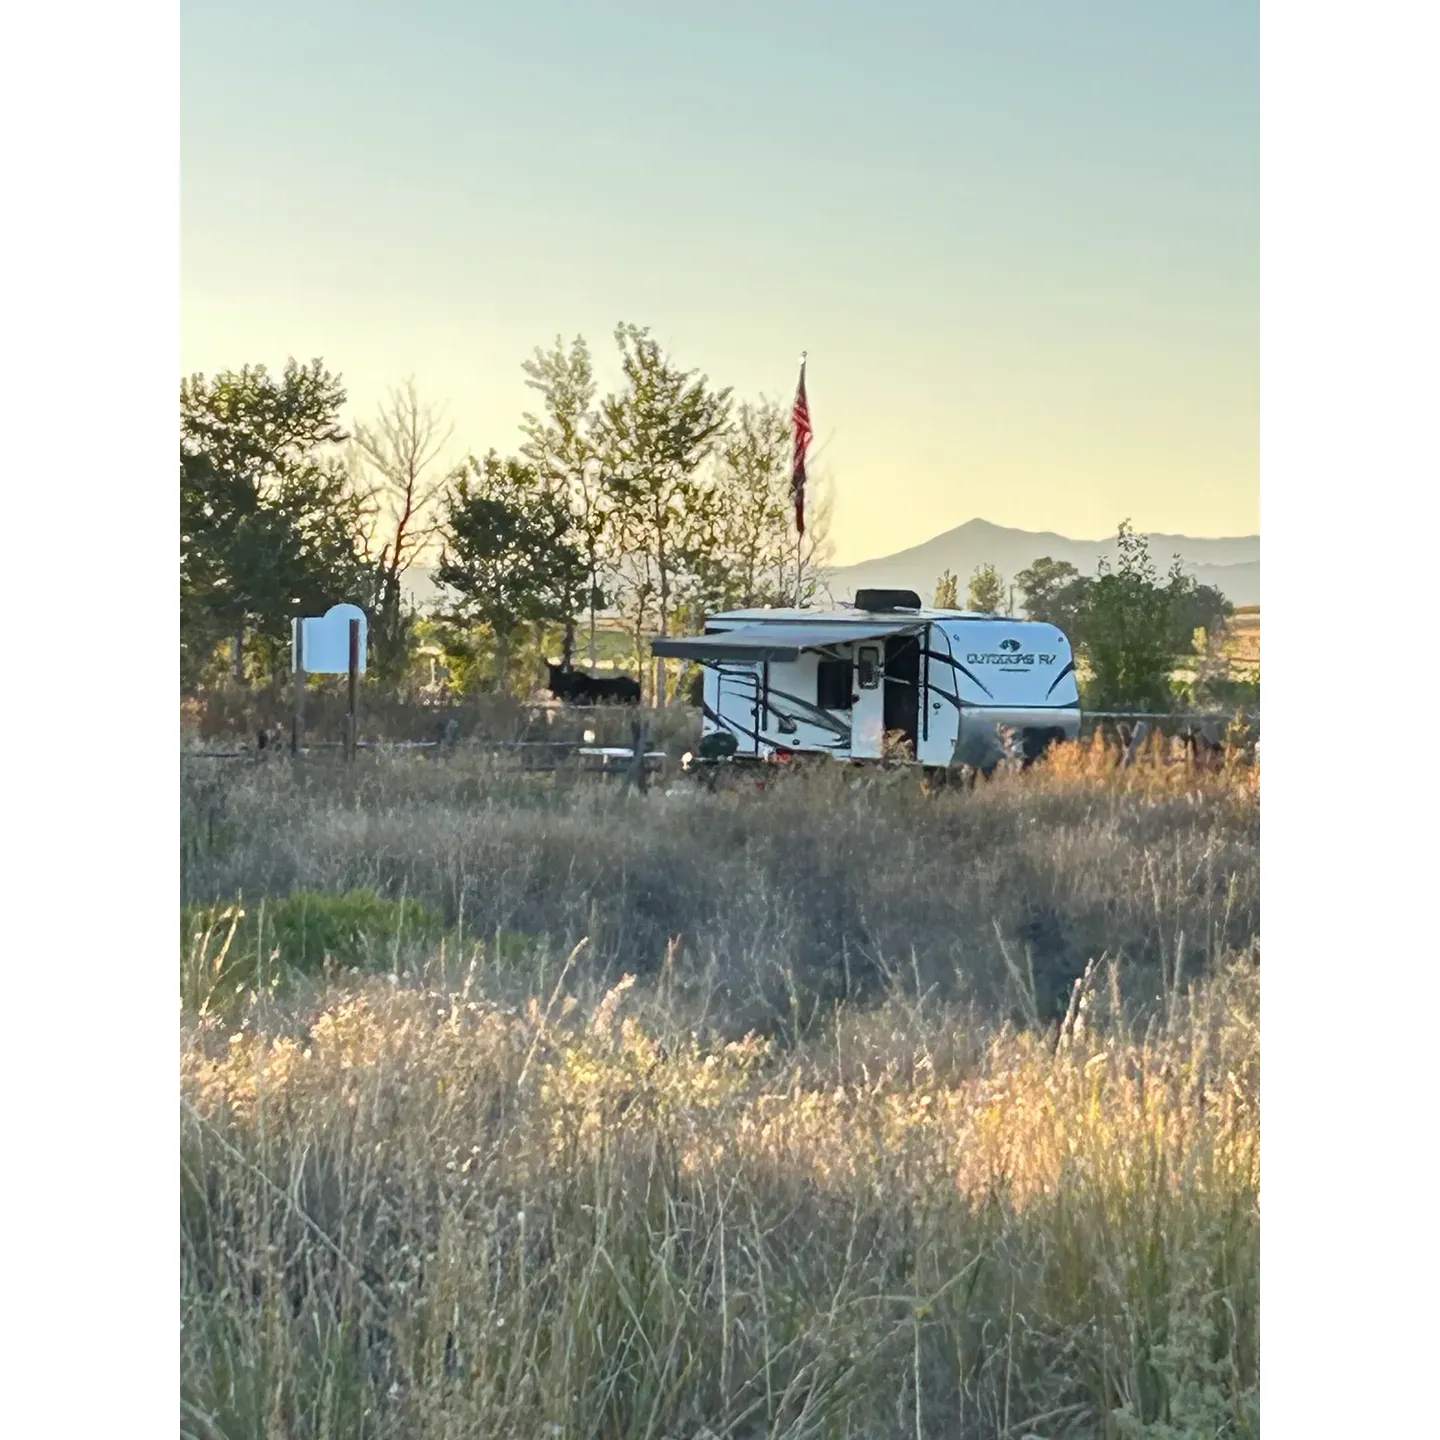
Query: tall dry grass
{"points": [[819, 889], [419, 1214], [858, 1112]]}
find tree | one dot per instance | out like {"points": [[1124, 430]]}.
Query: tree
{"points": [[562, 447], [654, 437], [397, 456], [742, 550], [1054, 592], [250, 425], [1203, 607], [1042, 582], [987, 589], [736, 557], [270, 525], [947, 592], [812, 550], [224, 546], [1133, 627], [509, 554]]}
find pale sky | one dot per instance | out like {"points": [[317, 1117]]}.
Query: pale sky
{"points": [[1020, 241]]}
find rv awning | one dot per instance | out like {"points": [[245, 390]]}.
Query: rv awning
{"points": [[778, 642]]}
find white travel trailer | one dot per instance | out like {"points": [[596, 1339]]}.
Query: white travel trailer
{"points": [[838, 681]]}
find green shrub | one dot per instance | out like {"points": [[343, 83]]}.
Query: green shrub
{"points": [[229, 949], [1226, 693], [359, 929]]}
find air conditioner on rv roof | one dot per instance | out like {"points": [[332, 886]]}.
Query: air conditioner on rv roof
{"points": [[881, 600]]}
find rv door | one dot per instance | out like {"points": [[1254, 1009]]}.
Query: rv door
{"points": [[737, 703], [867, 714]]}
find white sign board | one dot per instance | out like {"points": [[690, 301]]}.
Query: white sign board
{"points": [[327, 641]]}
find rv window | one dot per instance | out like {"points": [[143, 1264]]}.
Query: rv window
{"points": [[834, 682], [867, 662]]}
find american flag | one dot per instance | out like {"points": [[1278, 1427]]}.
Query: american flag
{"points": [[800, 418]]}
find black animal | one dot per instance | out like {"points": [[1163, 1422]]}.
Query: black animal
{"points": [[575, 687]]}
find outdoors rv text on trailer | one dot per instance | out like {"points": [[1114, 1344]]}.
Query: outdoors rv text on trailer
{"points": [[838, 682]]}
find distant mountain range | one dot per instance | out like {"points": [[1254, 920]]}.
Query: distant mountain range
{"points": [[1231, 564]]}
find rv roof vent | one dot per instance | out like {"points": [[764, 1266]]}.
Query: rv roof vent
{"points": [[886, 600]]}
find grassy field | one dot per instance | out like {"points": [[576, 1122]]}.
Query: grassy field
{"points": [[1242, 642], [518, 1107]]}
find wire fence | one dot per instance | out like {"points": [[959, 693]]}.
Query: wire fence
{"points": [[1183, 717], [530, 755], [547, 754]]}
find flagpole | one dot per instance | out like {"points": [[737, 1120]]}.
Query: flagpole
{"points": [[799, 534], [800, 418]]}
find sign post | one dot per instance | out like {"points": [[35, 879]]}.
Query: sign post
{"points": [[330, 644], [639, 742], [353, 693], [297, 719]]}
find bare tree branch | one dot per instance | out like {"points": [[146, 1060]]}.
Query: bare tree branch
{"points": [[396, 456]]}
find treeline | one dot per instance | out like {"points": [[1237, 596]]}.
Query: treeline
{"points": [[1128, 623], [660, 501]]}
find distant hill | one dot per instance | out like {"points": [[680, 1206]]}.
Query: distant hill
{"points": [[1231, 564]]}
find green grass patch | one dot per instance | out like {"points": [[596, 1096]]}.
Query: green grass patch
{"points": [[230, 950]]}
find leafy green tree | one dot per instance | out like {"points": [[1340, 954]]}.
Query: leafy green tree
{"points": [[218, 539], [1133, 627], [467, 651], [755, 541], [742, 552], [1041, 582], [561, 444], [987, 590], [270, 525], [1054, 592], [654, 438], [264, 430], [510, 557], [1205, 608], [738, 555], [947, 592]]}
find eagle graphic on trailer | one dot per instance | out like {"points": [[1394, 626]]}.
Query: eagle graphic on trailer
{"points": [[836, 682]]}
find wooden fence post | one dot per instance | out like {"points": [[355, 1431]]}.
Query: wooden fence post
{"points": [[1137, 739], [352, 731], [640, 741], [297, 719]]}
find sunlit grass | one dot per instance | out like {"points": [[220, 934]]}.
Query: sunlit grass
{"points": [[821, 1111], [428, 1215]]}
